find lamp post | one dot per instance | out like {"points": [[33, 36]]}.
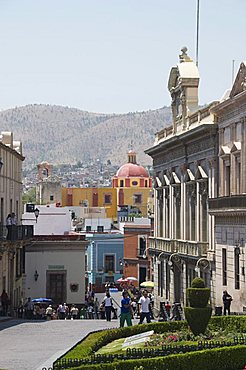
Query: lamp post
{"points": [[36, 213], [1, 163], [36, 275], [202, 264]]}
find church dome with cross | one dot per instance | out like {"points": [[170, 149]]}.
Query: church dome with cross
{"points": [[131, 174]]}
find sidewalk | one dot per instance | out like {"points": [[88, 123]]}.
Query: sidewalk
{"points": [[5, 318]]}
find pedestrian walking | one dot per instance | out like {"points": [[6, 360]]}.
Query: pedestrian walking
{"points": [[49, 312], [126, 312], [62, 311], [29, 307], [107, 301], [144, 303], [227, 299], [74, 312], [4, 302]]}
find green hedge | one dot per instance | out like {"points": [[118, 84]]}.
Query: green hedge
{"points": [[232, 358], [198, 297], [198, 318]]}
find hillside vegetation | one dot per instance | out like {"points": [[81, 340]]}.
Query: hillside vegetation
{"points": [[60, 134]]}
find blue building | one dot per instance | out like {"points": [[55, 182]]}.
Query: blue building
{"points": [[105, 254]]}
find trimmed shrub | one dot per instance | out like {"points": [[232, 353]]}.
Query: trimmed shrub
{"points": [[198, 318], [198, 297], [198, 314], [198, 283]]}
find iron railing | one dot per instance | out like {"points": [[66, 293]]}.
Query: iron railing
{"points": [[230, 202], [15, 233]]}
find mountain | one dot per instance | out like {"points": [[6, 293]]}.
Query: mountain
{"points": [[60, 134]]}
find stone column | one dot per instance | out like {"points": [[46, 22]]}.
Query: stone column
{"points": [[243, 156]]}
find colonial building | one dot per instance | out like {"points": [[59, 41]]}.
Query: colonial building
{"points": [[12, 240], [229, 208], [48, 187], [54, 267], [104, 259], [184, 160], [136, 261]]}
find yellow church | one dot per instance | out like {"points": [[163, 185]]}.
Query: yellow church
{"points": [[131, 187]]}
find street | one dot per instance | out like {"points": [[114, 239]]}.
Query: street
{"points": [[35, 345]]}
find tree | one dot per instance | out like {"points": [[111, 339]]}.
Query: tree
{"points": [[29, 196]]}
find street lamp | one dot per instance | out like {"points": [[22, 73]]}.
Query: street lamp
{"points": [[174, 258], [1, 163], [36, 213], [36, 275], [202, 264]]}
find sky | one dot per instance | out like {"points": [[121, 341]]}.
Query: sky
{"points": [[114, 56]]}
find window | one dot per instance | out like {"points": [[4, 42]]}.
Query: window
{"points": [[109, 263], [142, 245], [224, 267], [237, 268], [88, 228], [121, 183], [100, 229], [107, 199], [227, 135], [51, 198], [138, 198], [227, 180], [134, 183]]}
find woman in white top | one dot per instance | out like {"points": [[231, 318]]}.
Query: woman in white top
{"points": [[107, 301]]}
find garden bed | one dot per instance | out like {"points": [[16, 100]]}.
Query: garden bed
{"points": [[171, 344]]}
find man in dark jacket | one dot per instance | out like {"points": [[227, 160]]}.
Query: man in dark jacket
{"points": [[227, 298]]}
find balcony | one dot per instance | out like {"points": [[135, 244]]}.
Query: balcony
{"points": [[16, 233], [233, 203], [188, 248]]}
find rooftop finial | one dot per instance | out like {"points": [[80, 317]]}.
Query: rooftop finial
{"points": [[184, 57]]}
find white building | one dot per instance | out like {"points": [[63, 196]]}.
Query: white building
{"points": [[55, 268]]}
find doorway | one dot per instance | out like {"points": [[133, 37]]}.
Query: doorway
{"points": [[56, 287]]}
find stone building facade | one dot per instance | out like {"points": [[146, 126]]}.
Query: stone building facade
{"points": [[11, 244], [184, 161], [229, 208]]}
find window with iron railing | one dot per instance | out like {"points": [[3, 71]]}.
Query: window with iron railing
{"points": [[224, 267], [237, 267], [109, 263]]}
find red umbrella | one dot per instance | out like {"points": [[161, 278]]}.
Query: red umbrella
{"points": [[122, 280]]}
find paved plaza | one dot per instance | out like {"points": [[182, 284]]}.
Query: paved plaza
{"points": [[35, 345]]}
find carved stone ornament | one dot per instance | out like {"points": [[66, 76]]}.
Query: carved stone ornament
{"points": [[183, 57], [74, 287]]}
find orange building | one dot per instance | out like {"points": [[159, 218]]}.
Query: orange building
{"points": [[136, 262]]}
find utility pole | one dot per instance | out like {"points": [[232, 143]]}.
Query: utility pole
{"points": [[233, 66], [197, 30]]}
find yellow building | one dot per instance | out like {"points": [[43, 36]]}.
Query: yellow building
{"points": [[131, 186]]}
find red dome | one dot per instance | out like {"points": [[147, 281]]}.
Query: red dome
{"points": [[131, 170]]}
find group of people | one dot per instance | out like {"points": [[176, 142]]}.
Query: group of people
{"points": [[127, 313]]}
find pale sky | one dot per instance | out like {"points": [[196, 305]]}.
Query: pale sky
{"points": [[114, 55]]}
